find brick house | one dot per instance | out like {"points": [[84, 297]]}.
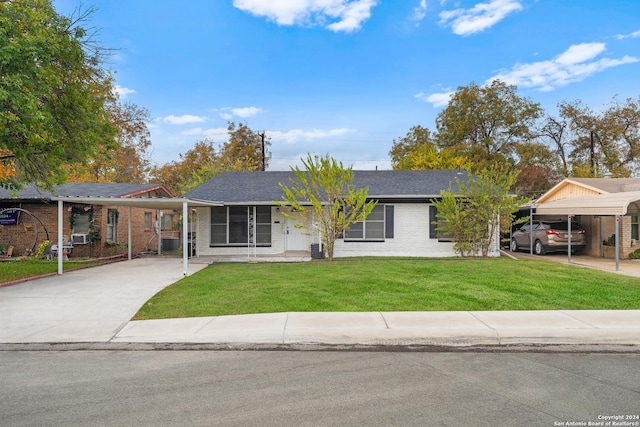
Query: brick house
{"points": [[97, 230]]}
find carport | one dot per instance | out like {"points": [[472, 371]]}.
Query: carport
{"points": [[610, 204], [135, 202]]}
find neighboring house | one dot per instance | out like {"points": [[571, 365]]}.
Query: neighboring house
{"points": [[250, 222], [594, 203], [96, 230]]}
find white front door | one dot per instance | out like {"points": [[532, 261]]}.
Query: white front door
{"points": [[296, 239]]}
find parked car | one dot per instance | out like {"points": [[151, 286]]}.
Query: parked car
{"points": [[549, 236]]}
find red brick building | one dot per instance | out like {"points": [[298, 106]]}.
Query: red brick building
{"points": [[96, 230]]}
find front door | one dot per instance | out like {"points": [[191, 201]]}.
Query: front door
{"points": [[296, 239]]}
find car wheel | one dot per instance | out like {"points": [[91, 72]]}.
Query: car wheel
{"points": [[538, 248], [514, 245]]}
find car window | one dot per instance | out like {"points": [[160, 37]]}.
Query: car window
{"points": [[564, 226]]}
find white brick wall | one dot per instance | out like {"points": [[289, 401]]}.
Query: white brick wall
{"points": [[411, 237]]}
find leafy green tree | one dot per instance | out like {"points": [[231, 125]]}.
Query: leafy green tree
{"points": [[484, 124], [324, 197], [481, 209], [194, 167], [129, 161], [243, 151], [53, 93], [418, 151]]}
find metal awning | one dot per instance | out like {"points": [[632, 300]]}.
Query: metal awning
{"points": [[611, 204], [135, 202], [138, 202], [626, 203]]}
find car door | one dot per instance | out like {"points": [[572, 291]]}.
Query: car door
{"points": [[521, 236]]}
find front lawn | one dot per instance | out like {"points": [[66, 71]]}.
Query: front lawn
{"points": [[24, 269], [391, 284]]}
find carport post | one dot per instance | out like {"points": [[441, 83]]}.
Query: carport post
{"points": [[531, 230], [129, 238], [569, 234], [60, 220], [617, 242], [185, 232]]}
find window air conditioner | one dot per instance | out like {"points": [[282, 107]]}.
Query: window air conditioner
{"points": [[79, 239]]}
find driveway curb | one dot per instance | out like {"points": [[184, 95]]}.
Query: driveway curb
{"points": [[507, 348]]}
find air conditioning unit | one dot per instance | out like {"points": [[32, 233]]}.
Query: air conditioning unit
{"points": [[79, 239]]}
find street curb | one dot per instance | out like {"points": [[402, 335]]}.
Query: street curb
{"points": [[504, 348]]}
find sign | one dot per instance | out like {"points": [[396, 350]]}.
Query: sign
{"points": [[9, 216]]}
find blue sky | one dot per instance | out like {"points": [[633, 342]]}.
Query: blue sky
{"points": [[347, 77]]}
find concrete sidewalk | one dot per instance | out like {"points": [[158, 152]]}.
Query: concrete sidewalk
{"points": [[398, 328]]}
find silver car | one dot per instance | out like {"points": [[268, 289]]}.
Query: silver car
{"points": [[549, 236]]}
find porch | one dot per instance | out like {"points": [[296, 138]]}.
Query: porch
{"points": [[287, 256]]}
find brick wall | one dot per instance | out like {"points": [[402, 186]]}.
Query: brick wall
{"points": [[29, 230]]}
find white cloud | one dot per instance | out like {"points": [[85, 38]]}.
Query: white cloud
{"points": [[182, 120], [122, 92], [421, 11], [228, 113], [573, 65], [436, 99], [297, 135], [482, 16], [343, 15], [214, 133], [633, 35], [246, 111]]}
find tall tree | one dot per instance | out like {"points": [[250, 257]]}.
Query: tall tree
{"points": [[194, 167], [129, 161], [323, 194], [418, 151], [243, 151], [53, 93], [484, 123]]}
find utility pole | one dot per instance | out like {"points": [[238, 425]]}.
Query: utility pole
{"points": [[593, 160], [263, 155]]}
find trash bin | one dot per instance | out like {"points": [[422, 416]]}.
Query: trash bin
{"points": [[317, 251]]}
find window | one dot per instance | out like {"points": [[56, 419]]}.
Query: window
{"points": [[434, 222], [377, 226], [635, 232], [147, 221], [81, 222], [166, 221], [240, 225], [112, 221]]}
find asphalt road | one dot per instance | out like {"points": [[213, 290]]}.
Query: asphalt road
{"points": [[264, 388]]}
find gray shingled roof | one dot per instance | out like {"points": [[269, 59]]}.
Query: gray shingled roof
{"points": [[611, 185], [261, 187], [78, 189]]}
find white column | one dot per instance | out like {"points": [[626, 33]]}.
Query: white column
{"points": [[185, 237], [129, 235], [60, 220], [617, 242]]}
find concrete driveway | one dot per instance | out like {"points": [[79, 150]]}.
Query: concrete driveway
{"points": [[89, 305]]}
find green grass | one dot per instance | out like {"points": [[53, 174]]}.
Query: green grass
{"points": [[389, 284], [24, 269]]}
